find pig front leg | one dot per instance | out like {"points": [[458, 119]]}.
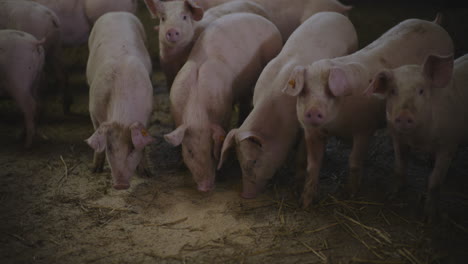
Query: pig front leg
{"points": [[98, 161], [315, 145], [442, 164], [401, 164], [356, 161]]}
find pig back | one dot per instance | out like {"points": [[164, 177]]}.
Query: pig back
{"points": [[239, 41], [409, 42], [116, 34], [96, 8], [33, 18]]}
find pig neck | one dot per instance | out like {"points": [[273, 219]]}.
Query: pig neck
{"points": [[210, 98]]}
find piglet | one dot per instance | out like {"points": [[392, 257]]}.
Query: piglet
{"points": [[267, 135], [221, 70], [426, 111], [21, 66], [120, 96], [330, 98], [180, 24]]}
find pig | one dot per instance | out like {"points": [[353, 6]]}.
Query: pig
{"points": [[221, 70], [42, 23], [331, 100], [426, 111], [78, 16], [120, 96], [21, 65], [180, 24], [264, 140]]}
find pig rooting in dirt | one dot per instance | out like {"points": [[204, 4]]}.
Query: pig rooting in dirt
{"points": [[124, 148]]}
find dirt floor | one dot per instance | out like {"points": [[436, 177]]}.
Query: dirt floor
{"points": [[54, 210]]}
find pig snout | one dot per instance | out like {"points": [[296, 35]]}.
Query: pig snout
{"points": [[121, 186], [172, 35], [404, 121], [206, 186], [314, 117], [248, 194]]}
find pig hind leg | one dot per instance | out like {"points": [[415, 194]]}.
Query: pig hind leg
{"points": [[27, 103]]}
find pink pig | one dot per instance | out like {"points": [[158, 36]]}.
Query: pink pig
{"points": [[78, 16], [221, 70], [267, 135], [21, 65], [330, 98], [121, 94], [426, 111], [180, 24], [42, 23]]}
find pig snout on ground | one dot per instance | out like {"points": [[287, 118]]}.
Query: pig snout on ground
{"points": [[426, 111], [21, 67]]}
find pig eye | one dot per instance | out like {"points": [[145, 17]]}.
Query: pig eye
{"points": [[421, 91], [392, 91], [163, 19], [185, 17]]}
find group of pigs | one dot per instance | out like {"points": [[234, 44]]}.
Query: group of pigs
{"points": [[294, 72]]}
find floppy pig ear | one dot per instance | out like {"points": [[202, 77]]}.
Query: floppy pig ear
{"points": [[97, 140], [140, 136], [253, 137], [195, 9], [338, 82], [154, 7], [175, 137], [295, 82], [439, 69], [379, 85], [227, 144], [218, 136]]}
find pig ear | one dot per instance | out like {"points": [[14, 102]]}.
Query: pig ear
{"points": [[439, 70], [338, 82], [98, 140], [379, 84], [175, 137], [227, 144], [252, 137], [195, 9], [140, 136], [295, 82], [154, 7], [218, 136]]}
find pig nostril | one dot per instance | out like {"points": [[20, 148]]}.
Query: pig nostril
{"points": [[319, 116], [409, 121], [177, 33], [308, 115]]}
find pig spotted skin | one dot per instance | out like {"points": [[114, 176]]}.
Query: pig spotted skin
{"points": [[21, 65], [265, 138], [331, 99], [42, 23], [78, 16], [221, 71], [121, 95], [426, 111], [180, 24]]}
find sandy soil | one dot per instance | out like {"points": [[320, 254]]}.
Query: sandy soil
{"points": [[54, 210]]}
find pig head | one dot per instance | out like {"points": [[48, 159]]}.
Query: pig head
{"points": [[408, 90], [124, 147], [176, 20], [252, 154], [201, 147]]}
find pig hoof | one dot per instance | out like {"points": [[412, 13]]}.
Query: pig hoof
{"points": [[121, 186]]}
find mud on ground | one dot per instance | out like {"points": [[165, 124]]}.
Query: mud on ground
{"points": [[54, 210]]}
